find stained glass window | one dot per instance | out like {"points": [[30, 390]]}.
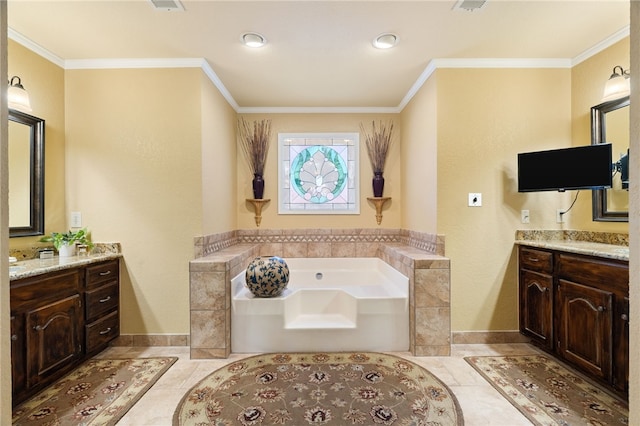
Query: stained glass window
{"points": [[318, 173]]}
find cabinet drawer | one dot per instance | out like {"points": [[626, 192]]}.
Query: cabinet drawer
{"points": [[102, 273], [536, 260], [101, 300], [101, 332], [39, 290], [602, 273]]}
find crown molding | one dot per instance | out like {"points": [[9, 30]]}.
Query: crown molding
{"points": [[502, 63], [213, 77], [36, 48], [126, 63], [318, 110], [608, 42]]}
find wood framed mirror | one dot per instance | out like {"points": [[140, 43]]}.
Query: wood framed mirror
{"points": [[610, 123], [26, 174]]}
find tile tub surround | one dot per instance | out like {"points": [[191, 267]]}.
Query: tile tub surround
{"points": [[417, 255]]}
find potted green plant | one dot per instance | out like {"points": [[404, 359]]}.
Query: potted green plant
{"points": [[65, 242]]}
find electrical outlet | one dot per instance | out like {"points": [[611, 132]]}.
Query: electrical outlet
{"points": [[475, 199], [76, 220], [560, 216], [524, 216]]}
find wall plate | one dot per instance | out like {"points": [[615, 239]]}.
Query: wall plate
{"points": [[475, 199]]}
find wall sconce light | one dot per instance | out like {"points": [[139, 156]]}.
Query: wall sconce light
{"points": [[618, 85], [253, 40], [17, 96]]}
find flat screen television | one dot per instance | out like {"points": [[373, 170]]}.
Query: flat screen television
{"points": [[581, 167]]}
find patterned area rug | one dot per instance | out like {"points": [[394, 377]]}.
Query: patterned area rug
{"points": [[320, 389], [99, 392], [547, 393]]}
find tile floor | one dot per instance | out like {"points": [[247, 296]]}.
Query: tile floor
{"points": [[481, 403]]}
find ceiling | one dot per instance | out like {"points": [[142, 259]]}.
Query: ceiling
{"points": [[319, 53]]}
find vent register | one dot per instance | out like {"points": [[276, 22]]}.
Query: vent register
{"points": [[167, 5], [469, 5]]}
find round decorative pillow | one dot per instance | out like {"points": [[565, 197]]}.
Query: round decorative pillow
{"points": [[267, 276]]}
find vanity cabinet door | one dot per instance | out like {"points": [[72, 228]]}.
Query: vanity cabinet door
{"points": [[18, 373], [536, 295], [53, 338], [584, 327], [536, 302], [621, 346]]}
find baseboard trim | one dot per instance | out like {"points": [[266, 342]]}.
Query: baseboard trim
{"points": [[458, 337], [151, 340], [488, 337]]}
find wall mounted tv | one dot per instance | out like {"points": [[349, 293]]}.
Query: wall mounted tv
{"points": [[581, 167]]}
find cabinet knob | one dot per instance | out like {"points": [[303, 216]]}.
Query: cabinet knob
{"points": [[103, 332], [14, 337], [601, 308], [102, 274], [38, 328], [106, 299], [624, 317]]}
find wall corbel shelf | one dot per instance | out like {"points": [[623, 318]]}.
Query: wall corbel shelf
{"points": [[257, 207], [379, 203]]}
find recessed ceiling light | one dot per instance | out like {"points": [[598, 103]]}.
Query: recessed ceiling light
{"points": [[385, 41], [253, 40]]}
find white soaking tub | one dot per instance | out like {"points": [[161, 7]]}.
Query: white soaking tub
{"points": [[330, 304]]}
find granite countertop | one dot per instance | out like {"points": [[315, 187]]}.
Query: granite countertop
{"points": [[33, 267], [610, 251]]}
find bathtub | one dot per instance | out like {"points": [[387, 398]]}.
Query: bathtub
{"points": [[330, 304]]}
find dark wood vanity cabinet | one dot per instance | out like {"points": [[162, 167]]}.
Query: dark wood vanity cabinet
{"points": [[102, 295], [536, 295], [50, 319], [576, 307]]}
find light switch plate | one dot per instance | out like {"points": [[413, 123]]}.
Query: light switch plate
{"points": [[76, 220], [475, 199]]}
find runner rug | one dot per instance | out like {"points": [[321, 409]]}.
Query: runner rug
{"points": [[547, 393], [98, 392], [300, 389]]}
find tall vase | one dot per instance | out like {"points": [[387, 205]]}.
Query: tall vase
{"points": [[378, 184], [258, 186]]}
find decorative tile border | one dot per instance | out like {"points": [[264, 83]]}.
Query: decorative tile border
{"points": [[207, 245]]}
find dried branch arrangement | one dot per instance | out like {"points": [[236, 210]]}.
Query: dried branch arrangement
{"points": [[378, 141], [254, 141]]}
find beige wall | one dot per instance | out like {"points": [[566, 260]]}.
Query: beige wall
{"points": [[44, 81], [420, 160], [634, 219], [587, 85], [316, 123], [134, 155], [5, 328], [485, 118], [219, 170]]}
